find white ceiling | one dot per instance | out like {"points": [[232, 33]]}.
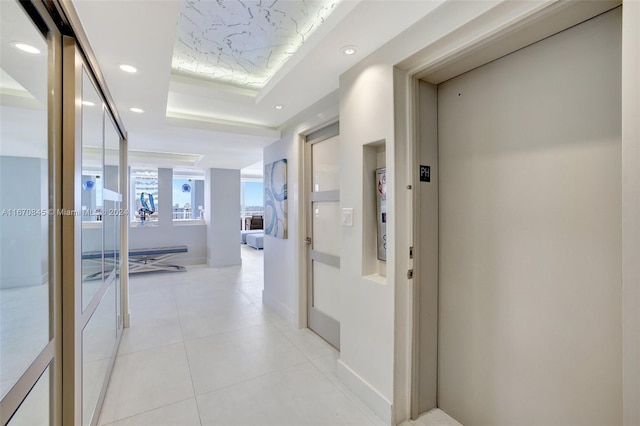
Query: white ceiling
{"points": [[289, 53], [190, 120], [226, 125]]}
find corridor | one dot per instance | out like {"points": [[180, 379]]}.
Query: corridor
{"points": [[203, 350]]}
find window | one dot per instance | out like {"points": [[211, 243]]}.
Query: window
{"points": [[145, 209], [252, 198], [188, 195]]}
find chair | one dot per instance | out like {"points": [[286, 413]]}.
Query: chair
{"points": [[256, 222]]}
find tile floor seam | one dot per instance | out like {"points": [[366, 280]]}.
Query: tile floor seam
{"points": [[146, 411], [186, 353], [146, 350], [221, 333], [253, 378], [352, 397], [185, 340], [307, 360], [299, 349], [153, 347], [158, 407], [149, 348]]}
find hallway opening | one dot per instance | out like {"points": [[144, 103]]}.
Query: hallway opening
{"points": [[202, 349]]}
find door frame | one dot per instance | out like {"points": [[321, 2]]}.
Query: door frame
{"points": [[480, 42], [324, 132]]}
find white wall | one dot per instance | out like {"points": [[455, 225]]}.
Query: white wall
{"points": [[283, 258], [530, 234], [367, 300], [222, 209], [192, 236], [631, 210]]}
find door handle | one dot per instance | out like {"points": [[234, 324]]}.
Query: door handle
{"points": [[307, 240]]}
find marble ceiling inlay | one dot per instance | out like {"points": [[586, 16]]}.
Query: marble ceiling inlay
{"points": [[243, 42]]}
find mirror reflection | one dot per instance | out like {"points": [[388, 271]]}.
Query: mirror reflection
{"points": [[98, 342], [24, 185], [35, 408], [92, 190]]}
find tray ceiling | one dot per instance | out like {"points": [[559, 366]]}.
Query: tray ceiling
{"points": [[243, 43]]}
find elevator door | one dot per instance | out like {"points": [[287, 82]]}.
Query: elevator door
{"points": [[529, 234]]}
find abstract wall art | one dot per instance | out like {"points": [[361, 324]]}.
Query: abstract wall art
{"points": [[275, 199]]}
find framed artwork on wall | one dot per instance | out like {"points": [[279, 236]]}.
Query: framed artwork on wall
{"points": [[275, 199]]}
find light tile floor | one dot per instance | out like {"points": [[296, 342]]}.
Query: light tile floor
{"points": [[203, 350], [24, 330]]}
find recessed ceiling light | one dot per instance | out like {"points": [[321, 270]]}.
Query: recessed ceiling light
{"points": [[349, 50], [138, 110], [278, 106], [128, 68], [26, 48], [88, 103]]}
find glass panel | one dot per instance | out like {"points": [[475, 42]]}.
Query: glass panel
{"points": [[24, 185], [188, 195], [326, 170], [326, 289], [116, 214], [110, 223], [117, 260], [34, 410], [326, 227], [92, 185], [98, 343], [111, 157]]}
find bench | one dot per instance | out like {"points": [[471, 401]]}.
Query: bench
{"points": [[140, 260], [256, 241]]}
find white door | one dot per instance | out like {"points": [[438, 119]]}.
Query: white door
{"points": [[323, 233]]}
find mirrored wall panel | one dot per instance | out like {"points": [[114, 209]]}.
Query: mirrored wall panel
{"points": [[92, 190], [112, 170], [98, 343], [24, 204], [35, 409]]}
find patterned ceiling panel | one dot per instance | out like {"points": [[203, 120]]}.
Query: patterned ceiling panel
{"points": [[243, 42]]}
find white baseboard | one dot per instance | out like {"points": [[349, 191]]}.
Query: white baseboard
{"points": [[191, 261], [373, 399], [280, 308]]}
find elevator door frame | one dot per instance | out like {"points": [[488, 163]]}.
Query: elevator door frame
{"points": [[459, 59]]}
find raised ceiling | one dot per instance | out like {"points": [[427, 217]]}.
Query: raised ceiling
{"points": [[243, 43], [227, 124], [190, 121]]}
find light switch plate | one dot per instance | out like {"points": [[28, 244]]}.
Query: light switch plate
{"points": [[347, 216]]}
